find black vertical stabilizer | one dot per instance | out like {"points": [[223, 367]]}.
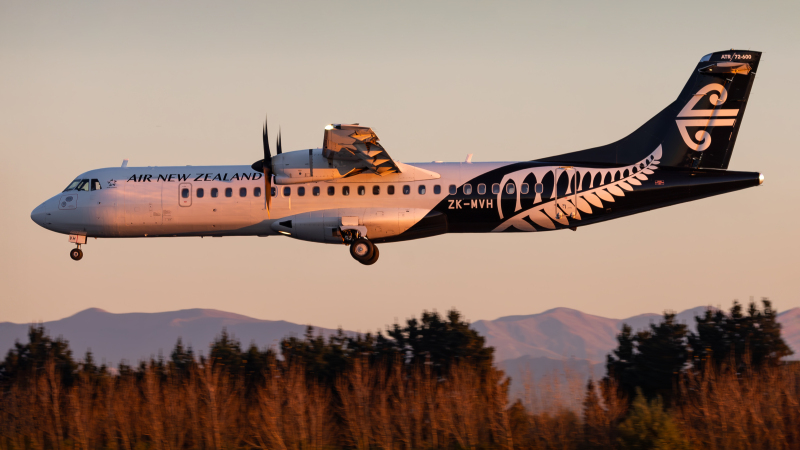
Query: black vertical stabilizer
{"points": [[699, 128]]}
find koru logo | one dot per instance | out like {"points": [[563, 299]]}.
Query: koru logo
{"points": [[705, 118]]}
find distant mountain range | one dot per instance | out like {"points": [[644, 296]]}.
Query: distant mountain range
{"points": [[560, 339], [138, 336]]}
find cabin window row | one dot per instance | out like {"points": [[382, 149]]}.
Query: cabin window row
{"points": [[511, 188], [360, 190], [200, 192]]}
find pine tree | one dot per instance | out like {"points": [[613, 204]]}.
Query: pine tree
{"points": [[662, 354], [619, 364], [24, 360], [738, 339]]}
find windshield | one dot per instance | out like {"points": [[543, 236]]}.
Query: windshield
{"points": [[72, 185], [83, 186]]}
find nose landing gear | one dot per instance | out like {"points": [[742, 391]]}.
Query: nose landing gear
{"points": [[76, 253]]}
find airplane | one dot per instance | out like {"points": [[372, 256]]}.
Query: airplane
{"points": [[351, 192]]}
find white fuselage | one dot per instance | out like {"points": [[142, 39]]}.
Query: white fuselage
{"points": [[230, 200]]}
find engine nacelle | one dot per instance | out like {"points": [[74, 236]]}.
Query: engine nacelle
{"points": [[377, 224]]}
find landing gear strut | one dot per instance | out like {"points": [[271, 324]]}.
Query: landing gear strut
{"points": [[76, 253]]}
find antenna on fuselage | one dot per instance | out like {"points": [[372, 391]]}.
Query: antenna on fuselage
{"points": [[124, 163]]}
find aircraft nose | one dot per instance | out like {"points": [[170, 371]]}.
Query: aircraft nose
{"points": [[39, 214]]}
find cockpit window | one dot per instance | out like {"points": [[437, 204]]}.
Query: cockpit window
{"points": [[72, 185], [96, 185], [83, 186]]}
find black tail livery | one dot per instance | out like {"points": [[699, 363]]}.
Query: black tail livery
{"points": [[698, 129]]}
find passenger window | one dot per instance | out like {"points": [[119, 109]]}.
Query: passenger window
{"points": [[437, 189], [495, 188], [481, 189], [331, 190], [287, 191], [390, 189], [510, 188], [214, 192], [539, 188], [301, 191], [376, 190], [96, 185], [345, 190], [185, 192], [72, 185], [200, 193], [83, 186], [421, 189], [467, 189], [242, 192], [273, 191], [228, 192], [406, 190], [257, 192], [361, 190], [524, 189], [452, 189], [315, 191]]}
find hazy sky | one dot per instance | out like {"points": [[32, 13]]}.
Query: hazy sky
{"points": [[85, 84]]}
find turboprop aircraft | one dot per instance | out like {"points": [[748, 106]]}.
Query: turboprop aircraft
{"points": [[351, 192]]}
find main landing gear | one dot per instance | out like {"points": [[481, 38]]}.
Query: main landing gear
{"points": [[364, 251], [76, 253], [361, 248]]}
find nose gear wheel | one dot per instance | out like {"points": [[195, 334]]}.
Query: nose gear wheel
{"points": [[76, 254]]}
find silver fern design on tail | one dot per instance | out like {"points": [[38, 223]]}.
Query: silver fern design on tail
{"points": [[572, 204]]}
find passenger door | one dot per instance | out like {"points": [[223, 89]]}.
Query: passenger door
{"points": [[185, 194], [566, 199]]}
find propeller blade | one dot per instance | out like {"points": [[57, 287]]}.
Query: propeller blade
{"points": [[266, 167], [265, 139], [279, 141]]}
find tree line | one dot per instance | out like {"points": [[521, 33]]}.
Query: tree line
{"points": [[427, 383]]}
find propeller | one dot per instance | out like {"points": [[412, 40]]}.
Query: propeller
{"points": [[266, 167]]}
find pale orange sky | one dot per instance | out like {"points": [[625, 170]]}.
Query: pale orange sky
{"points": [[85, 84]]}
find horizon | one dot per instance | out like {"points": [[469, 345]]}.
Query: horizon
{"points": [[94, 308]]}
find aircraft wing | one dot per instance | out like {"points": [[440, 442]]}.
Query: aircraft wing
{"points": [[359, 145]]}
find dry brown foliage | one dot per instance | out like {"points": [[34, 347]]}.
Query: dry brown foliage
{"points": [[749, 410], [370, 406], [378, 406]]}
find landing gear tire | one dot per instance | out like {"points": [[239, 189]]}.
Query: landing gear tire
{"points": [[374, 258], [362, 250], [76, 254]]}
